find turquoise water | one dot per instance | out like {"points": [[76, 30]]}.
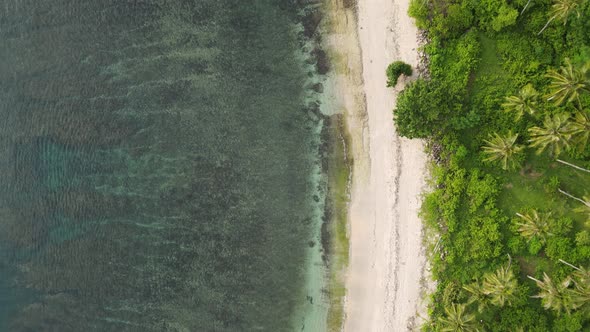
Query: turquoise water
{"points": [[159, 164]]}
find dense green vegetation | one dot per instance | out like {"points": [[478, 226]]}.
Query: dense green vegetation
{"points": [[506, 109], [395, 70]]}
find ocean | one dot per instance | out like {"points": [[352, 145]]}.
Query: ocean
{"points": [[161, 166]]}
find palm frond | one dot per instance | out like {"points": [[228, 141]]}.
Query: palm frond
{"points": [[561, 10], [567, 83], [503, 149], [554, 135], [500, 285], [555, 296], [535, 225], [524, 102], [457, 319], [579, 128]]}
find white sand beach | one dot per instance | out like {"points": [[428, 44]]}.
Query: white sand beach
{"points": [[387, 258]]}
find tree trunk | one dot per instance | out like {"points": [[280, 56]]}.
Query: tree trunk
{"points": [[546, 25], [570, 265], [574, 197], [534, 279], [525, 7], [574, 166]]}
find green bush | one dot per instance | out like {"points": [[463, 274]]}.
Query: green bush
{"points": [[583, 238], [415, 115], [506, 17], [419, 10], [395, 70], [456, 21], [423, 108]]}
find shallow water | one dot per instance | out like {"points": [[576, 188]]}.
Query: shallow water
{"points": [[160, 165]]}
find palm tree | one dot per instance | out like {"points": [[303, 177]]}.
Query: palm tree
{"points": [[561, 10], [500, 286], [457, 320], [553, 135], [524, 102], [580, 297], [568, 82], [555, 296], [535, 226], [579, 128], [503, 149], [585, 200], [477, 295], [581, 277]]}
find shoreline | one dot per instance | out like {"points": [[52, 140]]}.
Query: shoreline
{"points": [[387, 257], [343, 97]]}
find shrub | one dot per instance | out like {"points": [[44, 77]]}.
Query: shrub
{"points": [[420, 108], [419, 10], [457, 20], [583, 238], [506, 17], [396, 69]]}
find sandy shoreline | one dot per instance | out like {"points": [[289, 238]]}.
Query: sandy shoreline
{"points": [[386, 255]]}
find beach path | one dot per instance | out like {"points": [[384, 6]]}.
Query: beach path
{"points": [[386, 253]]}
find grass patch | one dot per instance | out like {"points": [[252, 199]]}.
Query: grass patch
{"points": [[536, 186]]}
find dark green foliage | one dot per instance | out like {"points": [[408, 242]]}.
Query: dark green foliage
{"points": [[419, 10], [395, 70], [416, 115], [506, 17], [583, 238], [570, 323], [529, 319], [535, 246], [480, 52], [426, 108], [493, 15], [558, 247], [456, 20]]}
